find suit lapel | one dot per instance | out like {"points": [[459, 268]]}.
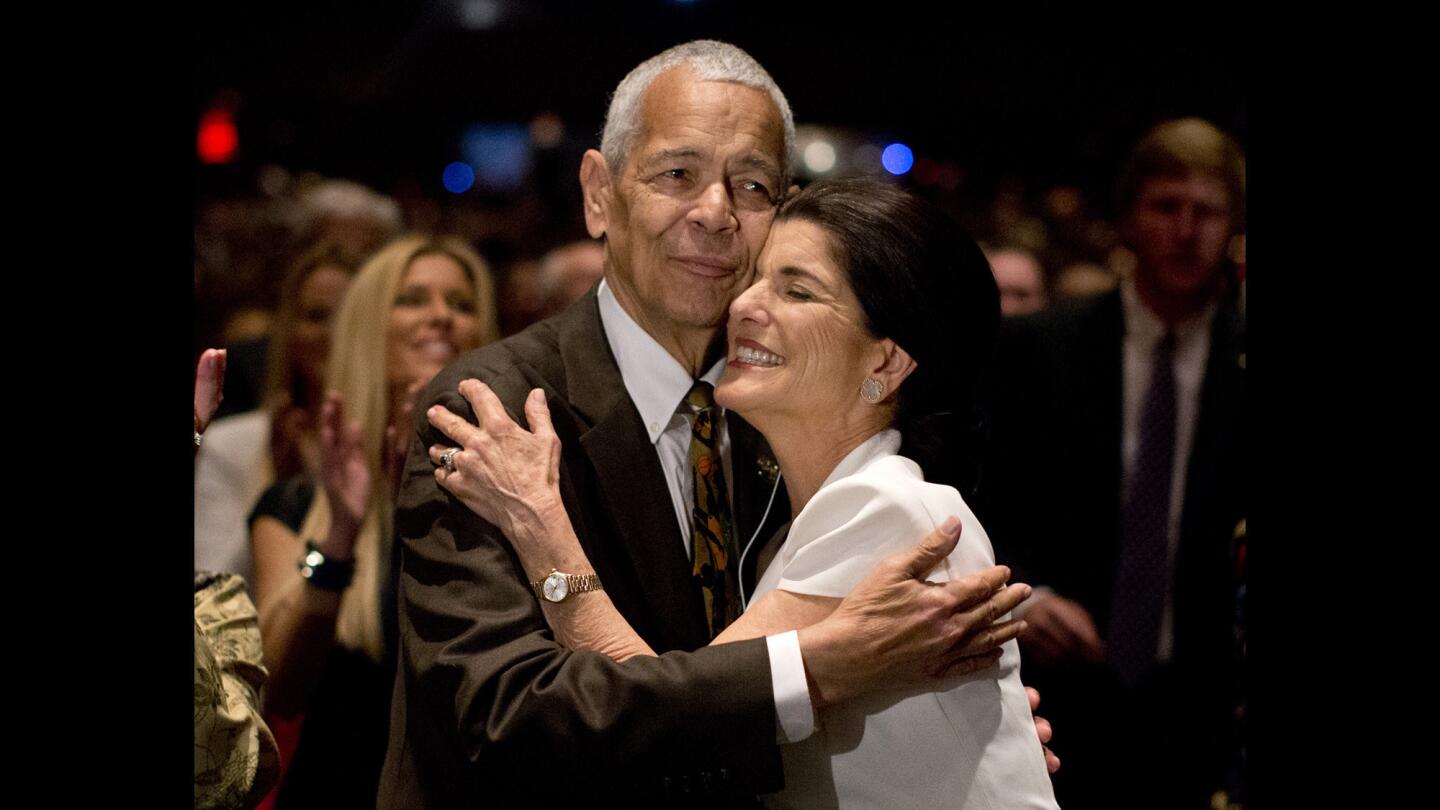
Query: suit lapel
{"points": [[630, 481]]}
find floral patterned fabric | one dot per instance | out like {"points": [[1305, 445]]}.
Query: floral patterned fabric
{"points": [[236, 761]]}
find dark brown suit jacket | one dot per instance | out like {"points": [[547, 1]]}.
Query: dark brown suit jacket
{"points": [[488, 709]]}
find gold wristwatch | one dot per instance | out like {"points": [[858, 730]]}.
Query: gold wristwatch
{"points": [[557, 586]]}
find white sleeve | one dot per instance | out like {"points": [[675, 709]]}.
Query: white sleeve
{"points": [[853, 523], [794, 715]]}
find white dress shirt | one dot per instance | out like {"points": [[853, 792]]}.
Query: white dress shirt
{"points": [[1143, 332], [658, 385]]}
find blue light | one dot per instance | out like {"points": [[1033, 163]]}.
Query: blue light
{"points": [[458, 178], [897, 158], [499, 153]]}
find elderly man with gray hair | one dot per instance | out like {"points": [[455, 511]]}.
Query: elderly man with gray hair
{"points": [[489, 708]]}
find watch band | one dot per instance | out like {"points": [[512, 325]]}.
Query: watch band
{"points": [[323, 573], [574, 583]]}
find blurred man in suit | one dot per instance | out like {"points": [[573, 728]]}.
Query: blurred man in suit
{"points": [[1115, 479]]}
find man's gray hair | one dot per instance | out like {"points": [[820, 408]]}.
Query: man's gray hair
{"points": [[711, 61]]}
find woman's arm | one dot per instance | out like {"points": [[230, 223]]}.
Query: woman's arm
{"points": [[297, 619], [510, 477]]}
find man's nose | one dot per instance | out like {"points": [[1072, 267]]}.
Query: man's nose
{"points": [[714, 210], [1186, 221]]}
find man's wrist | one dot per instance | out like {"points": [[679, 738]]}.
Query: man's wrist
{"points": [[825, 666]]}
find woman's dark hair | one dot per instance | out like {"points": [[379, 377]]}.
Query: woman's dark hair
{"points": [[923, 283]]}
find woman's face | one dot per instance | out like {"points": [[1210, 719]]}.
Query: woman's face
{"points": [[433, 319], [320, 296], [798, 344]]}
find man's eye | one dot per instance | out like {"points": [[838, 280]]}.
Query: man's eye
{"points": [[675, 174], [797, 294], [754, 187]]}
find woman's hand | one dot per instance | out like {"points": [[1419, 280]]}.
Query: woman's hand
{"points": [[209, 383], [344, 475], [505, 474]]}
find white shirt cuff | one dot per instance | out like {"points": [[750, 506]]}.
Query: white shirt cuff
{"points": [[795, 717]]}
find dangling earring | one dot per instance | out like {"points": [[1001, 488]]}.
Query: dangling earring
{"points": [[872, 390]]}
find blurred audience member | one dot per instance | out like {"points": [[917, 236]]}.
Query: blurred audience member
{"points": [[349, 214], [1021, 281], [246, 452], [342, 213], [322, 543], [246, 323], [1117, 476], [537, 290], [236, 761], [1084, 279]]}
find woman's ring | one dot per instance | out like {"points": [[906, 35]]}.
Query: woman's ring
{"points": [[448, 458]]}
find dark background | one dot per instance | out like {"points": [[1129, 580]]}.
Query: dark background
{"points": [[380, 92]]}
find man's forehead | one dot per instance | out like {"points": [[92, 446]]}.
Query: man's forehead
{"points": [[685, 117], [1199, 186]]}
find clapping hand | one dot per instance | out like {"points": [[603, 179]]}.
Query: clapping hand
{"points": [[345, 476], [209, 385]]}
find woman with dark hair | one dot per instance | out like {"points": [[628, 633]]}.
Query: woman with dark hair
{"points": [[856, 353]]}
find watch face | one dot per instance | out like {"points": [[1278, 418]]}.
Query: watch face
{"points": [[556, 588]]}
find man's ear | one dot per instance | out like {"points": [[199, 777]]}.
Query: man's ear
{"points": [[595, 192], [895, 364]]}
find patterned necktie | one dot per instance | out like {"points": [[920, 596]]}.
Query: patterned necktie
{"points": [[1140, 578], [711, 534]]}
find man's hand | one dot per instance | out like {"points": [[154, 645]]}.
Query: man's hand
{"points": [[1043, 731], [896, 629], [1059, 629]]}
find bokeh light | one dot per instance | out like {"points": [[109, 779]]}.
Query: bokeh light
{"points": [[217, 139], [458, 177], [897, 158], [820, 157]]}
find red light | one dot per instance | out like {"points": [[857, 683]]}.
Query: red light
{"points": [[218, 138]]}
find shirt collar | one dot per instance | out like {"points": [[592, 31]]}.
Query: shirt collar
{"points": [[655, 381], [1144, 325]]}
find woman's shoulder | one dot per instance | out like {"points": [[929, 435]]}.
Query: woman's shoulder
{"points": [[882, 508], [885, 507], [895, 483], [286, 501]]}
